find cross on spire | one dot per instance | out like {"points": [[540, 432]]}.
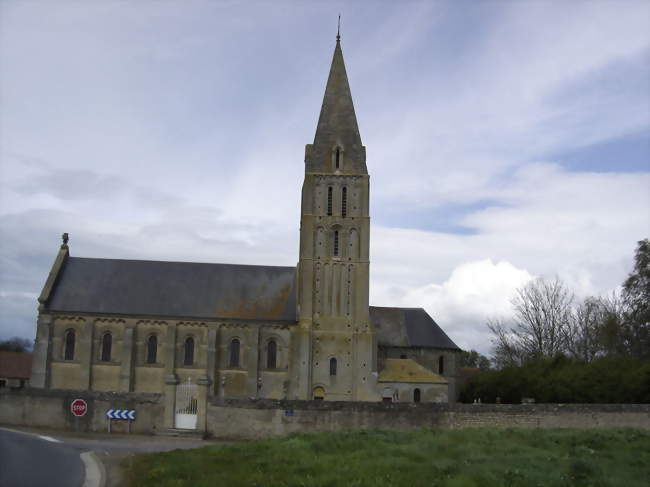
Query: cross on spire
{"points": [[338, 30]]}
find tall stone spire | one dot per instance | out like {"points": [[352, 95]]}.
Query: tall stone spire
{"points": [[336, 354], [337, 124]]}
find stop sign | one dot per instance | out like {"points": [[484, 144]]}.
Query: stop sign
{"points": [[78, 407]]}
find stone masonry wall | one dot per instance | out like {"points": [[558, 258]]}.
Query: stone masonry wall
{"points": [[264, 418], [51, 409]]}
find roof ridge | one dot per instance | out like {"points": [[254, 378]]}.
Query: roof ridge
{"points": [[182, 262]]}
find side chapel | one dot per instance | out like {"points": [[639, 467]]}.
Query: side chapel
{"points": [[242, 331]]}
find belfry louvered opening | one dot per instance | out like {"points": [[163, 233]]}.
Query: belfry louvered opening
{"points": [[329, 200]]}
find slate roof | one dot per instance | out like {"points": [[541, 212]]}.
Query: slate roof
{"points": [[209, 291], [408, 327], [337, 125], [193, 290], [15, 365], [408, 370]]}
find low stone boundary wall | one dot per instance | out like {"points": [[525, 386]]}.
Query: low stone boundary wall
{"points": [[51, 409], [263, 418], [250, 419]]}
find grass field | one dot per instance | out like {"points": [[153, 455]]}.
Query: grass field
{"points": [[469, 457]]}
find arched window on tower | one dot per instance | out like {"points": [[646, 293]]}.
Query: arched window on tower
{"points": [[152, 349], [338, 158], [272, 355], [329, 200], [188, 355], [234, 353], [69, 345], [107, 345], [336, 243], [416, 395], [441, 365], [332, 366], [344, 202]]}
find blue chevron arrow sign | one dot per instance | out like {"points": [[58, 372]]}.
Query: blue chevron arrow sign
{"points": [[121, 414]]}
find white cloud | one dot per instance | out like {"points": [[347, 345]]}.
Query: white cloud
{"points": [[176, 131]]}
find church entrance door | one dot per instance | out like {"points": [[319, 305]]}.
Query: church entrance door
{"points": [[186, 405]]}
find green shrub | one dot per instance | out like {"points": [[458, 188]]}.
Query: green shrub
{"points": [[612, 379]]}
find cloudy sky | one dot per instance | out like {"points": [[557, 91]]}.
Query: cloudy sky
{"points": [[505, 140]]}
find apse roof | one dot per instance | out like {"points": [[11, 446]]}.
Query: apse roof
{"points": [[408, 370], [408, 327]]}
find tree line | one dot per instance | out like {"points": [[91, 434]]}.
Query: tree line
{"points": [[552, 337]]}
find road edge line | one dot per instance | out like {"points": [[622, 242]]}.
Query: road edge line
{"points": [[94, 470]]}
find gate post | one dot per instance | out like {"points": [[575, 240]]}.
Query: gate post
{"points": [[171, 381], [204, 383]]}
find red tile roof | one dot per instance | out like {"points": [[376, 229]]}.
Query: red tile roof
{"points": [[15, 365]]}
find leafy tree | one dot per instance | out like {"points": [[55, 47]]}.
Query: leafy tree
{"points": [[16, 344], [636, 296], [598, 328], [584, 340], [474, 359]]}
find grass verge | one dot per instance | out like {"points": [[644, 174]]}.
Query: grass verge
{"points": [[428, 457]]}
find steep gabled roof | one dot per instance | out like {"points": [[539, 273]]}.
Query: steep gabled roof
{"points": [[408, 327], [179, 289]]}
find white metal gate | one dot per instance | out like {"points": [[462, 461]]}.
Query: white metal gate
{"points": [[186, 405]]}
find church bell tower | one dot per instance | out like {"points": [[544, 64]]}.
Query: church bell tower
{"points": [[337, 351]]}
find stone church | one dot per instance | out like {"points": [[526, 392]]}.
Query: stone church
{"points": [[192, 330]]}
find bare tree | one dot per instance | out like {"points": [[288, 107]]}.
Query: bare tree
{"points": [[16, 344], [506, 351], [542, 318], [540, 327]]}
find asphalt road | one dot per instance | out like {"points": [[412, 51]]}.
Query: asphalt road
{"points": [[33, 461]]}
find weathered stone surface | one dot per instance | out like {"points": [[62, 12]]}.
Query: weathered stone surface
{"points": [[241, 331], [51, 408]]}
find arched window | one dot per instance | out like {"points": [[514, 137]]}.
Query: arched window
{"points": [[416, 395], [332, 366], [234, 353], [69, 345], [188, 356], [336, 243], [152, 349], [344, 202], [338, 158], [329, 200], [441, 365], [107, 345], [272, 355]]}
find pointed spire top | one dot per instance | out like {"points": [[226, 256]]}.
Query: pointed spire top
{"points": [[337, 123], [338, 30]]}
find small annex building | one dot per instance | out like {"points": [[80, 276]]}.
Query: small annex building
{"points": [[15, 369], [196, 330]]}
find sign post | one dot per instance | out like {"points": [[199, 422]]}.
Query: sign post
{"points": [[128, 414]]}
